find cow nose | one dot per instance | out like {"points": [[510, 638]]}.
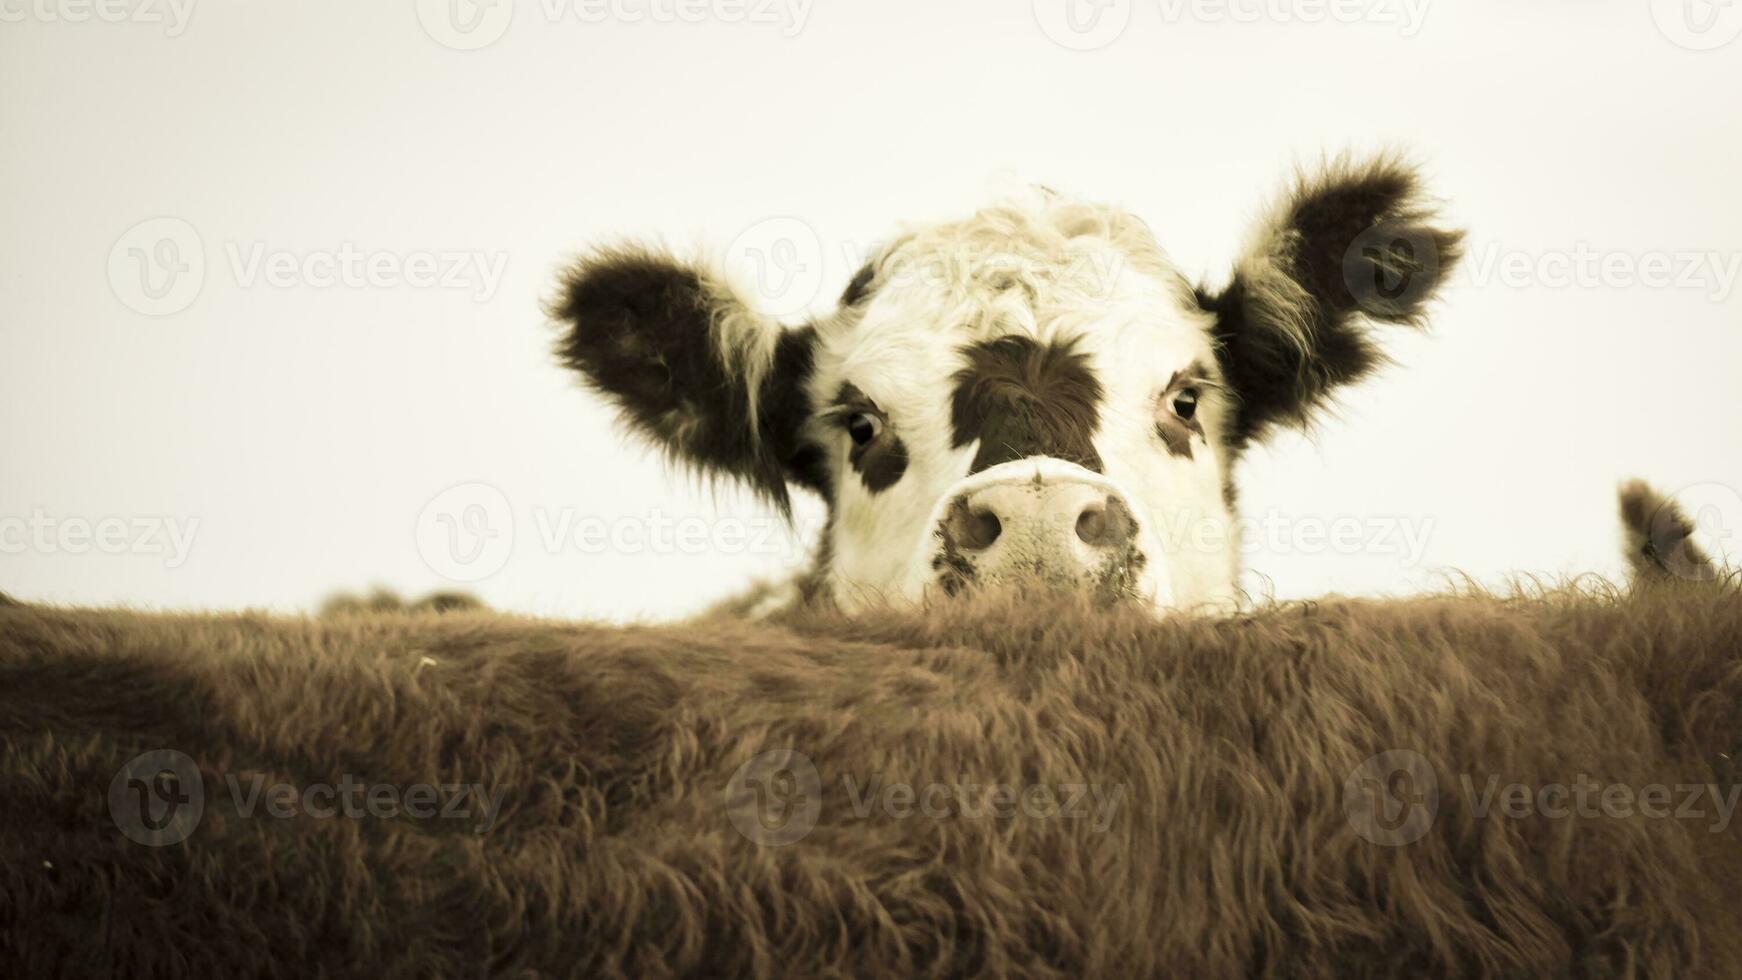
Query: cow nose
{"points": [[1059, 523]]}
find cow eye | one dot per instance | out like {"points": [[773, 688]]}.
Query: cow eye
{"points": [[1185, 403], [863, 427]]}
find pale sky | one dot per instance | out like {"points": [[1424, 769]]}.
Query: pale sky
{"points": [[270, 273]]}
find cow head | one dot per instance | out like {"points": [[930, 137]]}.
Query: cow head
{"points": [[1033, 395]]}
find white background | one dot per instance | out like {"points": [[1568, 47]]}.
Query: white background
{"points": [[306, 427]]}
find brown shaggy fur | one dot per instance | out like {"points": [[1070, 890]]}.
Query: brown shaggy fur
{"points": [[381, 600], [1229, 854]]}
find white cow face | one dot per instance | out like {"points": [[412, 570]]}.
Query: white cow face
{"points": [[1032, 393], [1033, 396]]}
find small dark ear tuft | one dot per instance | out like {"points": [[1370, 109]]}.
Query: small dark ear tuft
{"points": [[1353, 243], [1659, 537], [860, 286], [690, 365]]}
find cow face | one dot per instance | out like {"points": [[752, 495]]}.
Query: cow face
{"points": [[1033, 396]]}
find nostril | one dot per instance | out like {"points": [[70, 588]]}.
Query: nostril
{"points": [[972, 529], [1105, 524], [1092, 525], [983, 529]]}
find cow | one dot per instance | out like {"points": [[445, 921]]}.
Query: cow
{"points": [[1031, 396]]}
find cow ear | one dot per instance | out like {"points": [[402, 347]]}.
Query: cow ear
{"points": [[691, 366], [1349, 245]]}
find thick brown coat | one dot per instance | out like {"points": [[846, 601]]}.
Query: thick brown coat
{"points": [[1231, 849]]}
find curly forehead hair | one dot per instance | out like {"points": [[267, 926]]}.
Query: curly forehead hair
{"points": [[1009, 266]]}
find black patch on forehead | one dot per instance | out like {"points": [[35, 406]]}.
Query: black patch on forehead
{"points": [[860, 287], [881, 462], [1021, 398]]}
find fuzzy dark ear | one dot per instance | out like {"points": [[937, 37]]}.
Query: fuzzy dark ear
{"points": [[1660, 537], [1348, 245], [691, 365]]}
